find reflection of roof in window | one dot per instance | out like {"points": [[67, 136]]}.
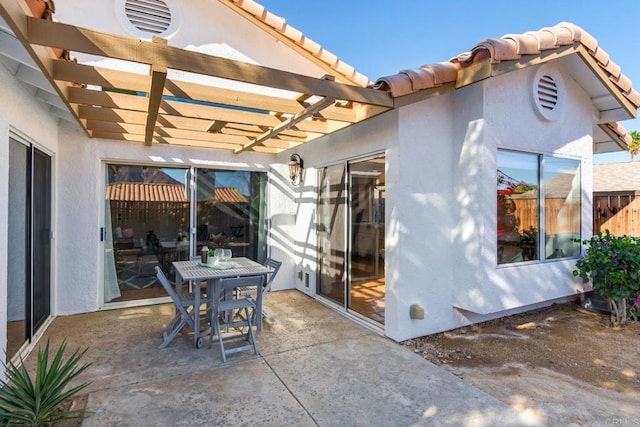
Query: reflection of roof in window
{"points": [[146, 192], [151, 192], [228, 195]]}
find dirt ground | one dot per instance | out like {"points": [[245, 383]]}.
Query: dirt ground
{"points": [[558, 366]]}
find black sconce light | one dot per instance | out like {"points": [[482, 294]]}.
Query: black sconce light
{"points": [[295, 169]]}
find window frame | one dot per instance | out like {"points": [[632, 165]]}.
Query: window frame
{"points": [[541, 233]]}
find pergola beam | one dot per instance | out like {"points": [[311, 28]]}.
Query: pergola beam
{"points": [[146, 106], [309, 111], [158, 79], [55, 34], [244, 101]]}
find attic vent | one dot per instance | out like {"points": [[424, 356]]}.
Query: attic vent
{"points": [[149, 16], [548, 90]]}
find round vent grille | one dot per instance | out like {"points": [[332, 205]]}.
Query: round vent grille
{"points": [[149, 16], [548, 91]]}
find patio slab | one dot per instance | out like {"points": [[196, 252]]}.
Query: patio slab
{"points": [[316, 367]]}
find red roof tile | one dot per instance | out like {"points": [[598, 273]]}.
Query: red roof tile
{"points": [[228, 195], [152, 192], [146, 192], [258, 12], [508, 48]]}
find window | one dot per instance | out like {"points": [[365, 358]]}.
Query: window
{"points": [[538, 203], [561, 207]]}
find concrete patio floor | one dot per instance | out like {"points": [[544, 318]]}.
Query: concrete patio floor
{"points": [[315, 368]]}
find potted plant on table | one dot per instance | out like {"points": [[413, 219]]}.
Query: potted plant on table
{"points": [[612, 264]]}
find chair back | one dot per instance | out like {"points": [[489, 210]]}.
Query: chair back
{"points": [[275, 266], [246, 284], [167, 286]]}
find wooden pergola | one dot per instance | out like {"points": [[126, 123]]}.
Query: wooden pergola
{"points": [[155, 109]]}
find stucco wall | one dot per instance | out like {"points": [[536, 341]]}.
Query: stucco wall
{"points": [[440, 250], [510, 121], [25, 119], [420, 271], [447, 245]]}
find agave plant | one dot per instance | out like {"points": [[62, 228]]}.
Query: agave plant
{"points": [[24, 401]]}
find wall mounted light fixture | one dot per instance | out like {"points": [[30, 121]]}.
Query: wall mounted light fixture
{"points": [[296, 166]]}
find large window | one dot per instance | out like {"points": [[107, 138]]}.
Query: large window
{"points": [[538, 207]]}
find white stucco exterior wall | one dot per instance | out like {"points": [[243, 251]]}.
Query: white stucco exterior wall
{"points": [[510, 121], [422, 271], [459, 282], [282, 198], [440, 249]]}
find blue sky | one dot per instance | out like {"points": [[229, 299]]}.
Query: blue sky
{"points": [[380, 37]]}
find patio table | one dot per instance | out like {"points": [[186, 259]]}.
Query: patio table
{"points": [[194, 270]]}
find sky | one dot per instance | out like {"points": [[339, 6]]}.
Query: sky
{"points": [[381, 37]]}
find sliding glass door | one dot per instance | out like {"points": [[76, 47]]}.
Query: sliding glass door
{"points": [[366, 254], [350, 222], [157, 215], [29, 237], [332, 244], [147, 225]]}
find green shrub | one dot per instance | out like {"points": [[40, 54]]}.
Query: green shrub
{"points": [[612, 264], [37, 402]]}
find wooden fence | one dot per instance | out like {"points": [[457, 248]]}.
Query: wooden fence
{"points": [[167, 219], [617, 212], [560, 216]]}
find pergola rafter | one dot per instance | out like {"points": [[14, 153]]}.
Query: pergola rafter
{"points": [[155, 107]]}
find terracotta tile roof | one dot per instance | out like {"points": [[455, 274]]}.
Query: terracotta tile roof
{"points": [[228, 195], [146, 192], [511, 47], [616, 177], [508, 48], [285, 30], [152, 192]]}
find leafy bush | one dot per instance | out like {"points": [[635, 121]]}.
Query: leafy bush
{"points": [[38, 403], [612, 263]]}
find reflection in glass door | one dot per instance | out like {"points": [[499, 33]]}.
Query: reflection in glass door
{"points": [[366, 253], [149, 213], [229, 208], [351, 237], [146, 225], [332, 248]]}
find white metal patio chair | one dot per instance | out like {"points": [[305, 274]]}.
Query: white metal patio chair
{"points": [[185, 312], [226, 306]]}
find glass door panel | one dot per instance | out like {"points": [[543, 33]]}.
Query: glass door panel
{"points": [[18, 262], [331, 233], [230, 210], [366, 254], [41, 226], [29, 236], [147, 225]]}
